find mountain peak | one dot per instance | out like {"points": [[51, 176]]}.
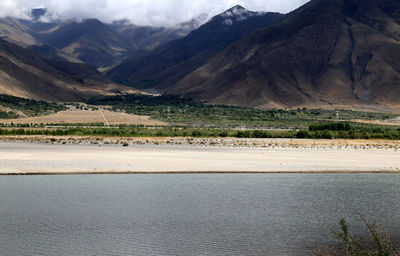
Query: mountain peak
{"points": [[237, 8], [37, 13], [236, 14], [92, 21]]}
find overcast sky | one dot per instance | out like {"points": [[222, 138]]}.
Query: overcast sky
{"points": [[141, 12]]}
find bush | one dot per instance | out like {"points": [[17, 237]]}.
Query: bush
{"points": [[197, 133], [261, 134], [350, 246], [8, 115], [323, 135], [302, 134], [331, 127], [243, 134], [223, 134]]}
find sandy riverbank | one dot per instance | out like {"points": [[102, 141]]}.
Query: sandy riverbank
{"points": [[30, 155]]}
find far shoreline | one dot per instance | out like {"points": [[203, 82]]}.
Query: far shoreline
{"points": [[199, 173]]}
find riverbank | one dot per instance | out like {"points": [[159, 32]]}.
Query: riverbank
{"points": [[83, 155]]}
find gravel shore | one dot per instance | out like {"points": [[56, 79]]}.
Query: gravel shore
{"points": [[83, 155]]}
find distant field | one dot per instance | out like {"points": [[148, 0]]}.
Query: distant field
{"points": [[184, 112], [14, 107], [78, 116], [390, 122], [127, 115]]}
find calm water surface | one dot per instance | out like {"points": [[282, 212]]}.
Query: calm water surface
{"points": [[272, 214]]}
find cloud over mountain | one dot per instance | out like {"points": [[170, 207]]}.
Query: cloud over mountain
{"points": [[141, 12]]}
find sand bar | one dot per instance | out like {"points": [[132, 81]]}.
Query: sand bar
{"points": [[40, 158]]}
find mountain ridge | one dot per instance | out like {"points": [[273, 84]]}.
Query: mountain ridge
{"points": [[90, 40], [324, 54], [169, 63], [25, 74]]}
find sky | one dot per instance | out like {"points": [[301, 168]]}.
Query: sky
{"points": [[141, 12]]}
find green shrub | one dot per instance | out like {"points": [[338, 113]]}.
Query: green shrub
{"points": [[302, 134], [243, 134], [331, 127], [261, 134], [223, 134], [8, 115], [350, 246], [197, 133]]}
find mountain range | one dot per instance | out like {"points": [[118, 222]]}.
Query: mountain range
{"points": [[25, 74], [327, 53], [169, 63], [88, 41]]}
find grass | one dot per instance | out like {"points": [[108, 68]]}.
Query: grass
{"points": [[177, 111], [140, 131], [28, 107], [349, 131], [8, 115], [146, 131], [190, 119], [323, 131]]}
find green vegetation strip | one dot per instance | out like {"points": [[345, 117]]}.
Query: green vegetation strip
{"points": [[8, 115], [26, 106], [178, 111], [321, 131]]}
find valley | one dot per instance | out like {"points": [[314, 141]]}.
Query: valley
{"points": [[286, 116], [319, 56], [235, 74]]}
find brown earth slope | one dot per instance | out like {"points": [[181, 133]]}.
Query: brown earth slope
{"points": [[328, 53], [169, 63], [25, 74]]}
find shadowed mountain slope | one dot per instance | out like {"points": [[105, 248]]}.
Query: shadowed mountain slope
{"points": [[25, 74], [166, 65], [12, 30], [90, 41], [148, 38], [328, 53]]}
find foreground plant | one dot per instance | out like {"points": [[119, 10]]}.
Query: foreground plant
{"points": [[380, 244]]}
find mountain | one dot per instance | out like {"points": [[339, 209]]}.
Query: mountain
{"points": [[25, 74], [328, 53], [14, 31], [90, 41], [148, 38], [38, 13], [169, 63], [51, 53]]}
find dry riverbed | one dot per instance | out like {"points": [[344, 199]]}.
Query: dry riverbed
{"points": [[66, 155]]}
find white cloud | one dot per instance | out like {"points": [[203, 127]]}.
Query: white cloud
{"points": [[141, 12]]}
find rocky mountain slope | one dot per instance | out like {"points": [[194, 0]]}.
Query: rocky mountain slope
{"points": [[25, 74], [328, 53], [148, 38], [89, 41], [167, 64]]}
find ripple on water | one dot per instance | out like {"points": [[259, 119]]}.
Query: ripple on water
{"points": [[213, 214]]}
